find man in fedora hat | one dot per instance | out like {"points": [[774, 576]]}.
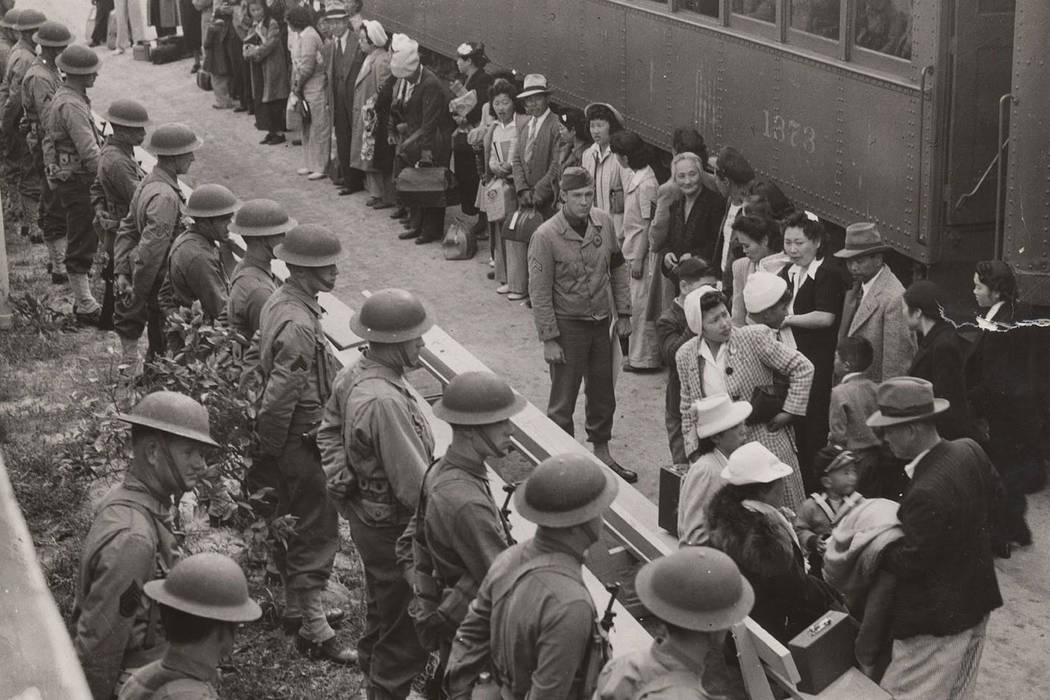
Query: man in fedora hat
{"points": [[946, 582], [535, 160], [872, 308], [533, 619], [343, 58], [376, 445], [572, 309], [720, 428], [696, 594], [458, 530]]}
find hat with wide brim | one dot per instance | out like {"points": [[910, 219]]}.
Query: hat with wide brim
{"points": [[392, 316], [261, 217], [309, 245], [717, 413], [127, 113], [535, 84], [172, 139], [173, 413], [862, 238], [696, 588], [753, 463], [905, 400], [603, 110], [478, 398], [566, 490], [208, 585]]}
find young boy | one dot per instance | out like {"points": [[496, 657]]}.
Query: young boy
{"points": [[852, 401], [673, 332], [836, 468]]}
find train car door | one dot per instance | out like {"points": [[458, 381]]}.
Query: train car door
{"points": [[980, 58]]}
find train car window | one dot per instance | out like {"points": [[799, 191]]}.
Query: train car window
{"points": [[763, 10], [820, 17], [884, 26], [707, 8]]}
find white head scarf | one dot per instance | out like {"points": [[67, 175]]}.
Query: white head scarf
{"points": [[694, 316], [376, 34]]}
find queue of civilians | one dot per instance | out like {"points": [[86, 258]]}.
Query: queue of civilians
{"points": [[841, 444]]}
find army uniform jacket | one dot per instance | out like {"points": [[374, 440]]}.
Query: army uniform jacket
{"points": [[71, 140], [195, 272], [461, 529], [570, 277], [5, 52], [625, 677], [116, 179], [251, 285], [116, 626], [374, 433], [297, 368], [18, 61], [39, 85], [176, 676], [533, 632], [145, 234]]}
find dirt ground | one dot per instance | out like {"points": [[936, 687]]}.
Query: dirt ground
{"points": [[501, 333]]}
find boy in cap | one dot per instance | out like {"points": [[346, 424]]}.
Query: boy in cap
{"points": [[836, 468], [767, 298], [696, 594]]}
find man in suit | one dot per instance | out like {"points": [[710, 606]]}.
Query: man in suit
{"points": [[536, 160], [946, 583], [873, 308], [343, 58]]}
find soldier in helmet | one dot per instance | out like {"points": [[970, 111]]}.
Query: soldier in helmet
{"points": [[200, 258], [8, 39], [153, 221], [38, 89], [376, 446], [115, 182], [71, 149], [262, 223], [533, 619], [202, 600], [458, 531], [8, 170], [697, 594], [25, 23], [130, 541], [298, 369]]}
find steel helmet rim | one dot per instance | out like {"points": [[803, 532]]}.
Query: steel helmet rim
{"points": [[169, 402], [121, 120], [29, 19], [262, 209], [199, 211], [75, 52], [58, 28], [602, 493], [10, 17], [296, 247], [200, 576], [669, 589], [371, 331], [173, 130], [478, 398]]}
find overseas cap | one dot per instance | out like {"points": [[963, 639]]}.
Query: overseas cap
{"points": [[211, 200], [566, 490], [78, 60], [29, 19], [172, 140], [262, 217], [392, 316], [52, 33], [208, 585], [698, 588], [171, 412], [124, 112], [310, 245], [478, 398]]}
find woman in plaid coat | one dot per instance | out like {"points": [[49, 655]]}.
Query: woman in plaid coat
{"points": [[722, 358]]}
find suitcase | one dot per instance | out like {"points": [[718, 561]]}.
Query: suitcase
{"points": [[204, 80], [167, 49], [427, 186], [141, 52], [670, 491], [824, 650]]}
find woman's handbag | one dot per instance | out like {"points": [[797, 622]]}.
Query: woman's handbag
{"points": [[767, 401], [520, 226], [204, 80], [496, 198], [458, 244], [427, 186], [293, 117]]}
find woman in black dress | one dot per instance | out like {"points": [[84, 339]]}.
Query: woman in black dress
{"points": [[813, 318], [694, 219]]}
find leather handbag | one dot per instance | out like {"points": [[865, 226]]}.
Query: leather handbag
{"points": [[767, 401], [204, 80], [458, 244], [521, 225], [427, 186]]}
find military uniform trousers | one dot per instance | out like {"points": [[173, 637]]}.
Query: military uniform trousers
{"points": [[131, 317], [68, 212], [305, 560], [389, 652], [588, 359], [30, 166]]}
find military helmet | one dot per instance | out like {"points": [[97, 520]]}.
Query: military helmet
{"points": [[10, 20], [208, 585], [52, 33], [174, 413], [211, 200], [28, 20], [478, 398], [78, 60], [261, 217], [172, 139], [697, 588], [310, 245], [125, 112], [565, 490], [391, 316]]}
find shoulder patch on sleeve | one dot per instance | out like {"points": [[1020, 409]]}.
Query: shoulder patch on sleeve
{"points": [[300, 364], [129, 599], [535, 265]]}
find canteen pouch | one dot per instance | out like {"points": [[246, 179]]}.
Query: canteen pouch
{"points": [[427, 186], [824, 650]]}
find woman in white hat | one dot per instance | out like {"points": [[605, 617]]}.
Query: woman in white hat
{"points": [[720, 429], [745, 523], [369, 151]]}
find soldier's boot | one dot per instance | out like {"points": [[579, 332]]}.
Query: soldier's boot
{"points": [[130, 358], [85, 307], [30, 219], [13, 205], [56, 256], [316, 638]]}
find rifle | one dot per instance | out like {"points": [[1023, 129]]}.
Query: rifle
{"points": [[504, 512], [600, 649]]}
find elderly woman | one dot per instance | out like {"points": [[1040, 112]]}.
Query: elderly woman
{"points": [[599, 160], [759, 238], [309, 85], [368, 153], [737, 361], [267, 57], [501, 138]]}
